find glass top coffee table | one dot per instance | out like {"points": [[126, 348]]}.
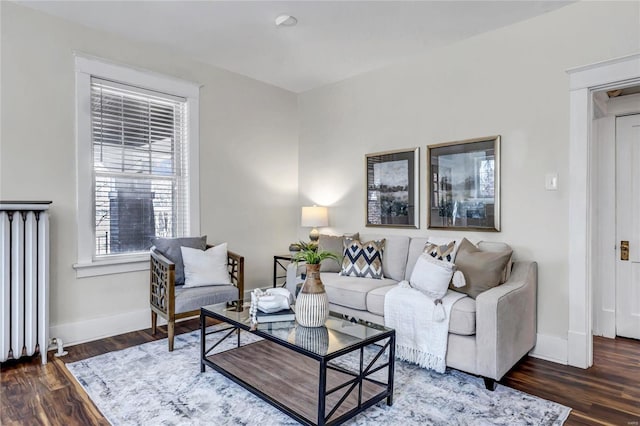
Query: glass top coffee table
{"points": [[318, 376]]}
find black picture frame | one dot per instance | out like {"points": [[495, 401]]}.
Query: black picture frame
{"points": [[392, 193], [464, 185]]}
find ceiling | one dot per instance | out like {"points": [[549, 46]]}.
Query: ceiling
{"points": [[333, 40]]}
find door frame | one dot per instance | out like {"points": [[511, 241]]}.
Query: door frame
{"points": [[583, 81]]}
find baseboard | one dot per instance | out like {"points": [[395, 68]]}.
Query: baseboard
{"points": [[550, 348], [98, 328]]}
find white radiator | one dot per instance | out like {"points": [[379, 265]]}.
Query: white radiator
{"points": [[24, 273]]}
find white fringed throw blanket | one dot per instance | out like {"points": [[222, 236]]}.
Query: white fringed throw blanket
{"points": [[419, 339]]}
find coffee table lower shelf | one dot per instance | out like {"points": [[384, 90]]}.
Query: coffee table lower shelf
{"points": [[290, 381]]}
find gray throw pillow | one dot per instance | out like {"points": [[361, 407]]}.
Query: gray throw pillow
{"points": [[334, 244], [482, 269], [170, 248]]}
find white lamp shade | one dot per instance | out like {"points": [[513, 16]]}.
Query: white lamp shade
{"points": [[314, 216]]}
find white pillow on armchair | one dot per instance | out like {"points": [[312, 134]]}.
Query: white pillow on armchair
{"points": [[208, 267]]}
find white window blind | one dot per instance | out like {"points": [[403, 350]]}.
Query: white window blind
{"points": [[140, 171]]}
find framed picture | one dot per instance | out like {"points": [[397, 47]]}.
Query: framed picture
{"points": [[392, 188], [464, 184]]}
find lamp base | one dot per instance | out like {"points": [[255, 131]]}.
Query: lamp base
{"points": [[314, 235]]}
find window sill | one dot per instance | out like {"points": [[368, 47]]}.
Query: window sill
{"points": [[112, 266]]}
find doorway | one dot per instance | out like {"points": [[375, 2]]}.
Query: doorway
{"points": [[583, 197], [628, 226], [616, 298]]}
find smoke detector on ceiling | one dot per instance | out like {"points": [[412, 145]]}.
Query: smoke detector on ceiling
{"points": [[286, 21]]}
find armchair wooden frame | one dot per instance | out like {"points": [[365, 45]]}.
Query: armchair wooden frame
{"points": [[163, 290]]}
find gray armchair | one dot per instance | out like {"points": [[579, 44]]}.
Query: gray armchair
{"points": [[173, 302]]}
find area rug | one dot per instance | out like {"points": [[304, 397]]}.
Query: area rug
{"points": [[147, 385]]}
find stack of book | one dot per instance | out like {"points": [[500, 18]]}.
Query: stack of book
{"points": [[283, 315]]}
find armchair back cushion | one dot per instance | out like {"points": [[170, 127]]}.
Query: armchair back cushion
{"points": [[170, 248]]}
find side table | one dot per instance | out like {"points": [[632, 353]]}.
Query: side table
{"points": [[280, 263]]}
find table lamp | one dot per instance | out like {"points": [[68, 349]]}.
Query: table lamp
{"points": [[314, 217]]}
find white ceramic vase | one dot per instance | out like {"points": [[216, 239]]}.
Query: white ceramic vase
{"points": [[312, 304]]}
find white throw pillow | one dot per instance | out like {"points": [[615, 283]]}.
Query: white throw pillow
{"points": [[431, 276], [205, 267]]}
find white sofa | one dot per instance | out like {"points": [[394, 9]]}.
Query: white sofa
{"points": [[487, 335]]}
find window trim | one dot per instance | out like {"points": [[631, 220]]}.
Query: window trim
{"points": [[85, 67]]}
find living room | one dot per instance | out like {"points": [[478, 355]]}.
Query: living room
{"points": [[265, 151]]}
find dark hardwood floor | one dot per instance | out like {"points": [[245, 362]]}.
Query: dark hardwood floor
{"points": [[606, 394]]}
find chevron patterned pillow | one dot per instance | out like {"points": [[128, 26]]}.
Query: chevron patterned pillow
{"points": [[362, 260], [440, 252]]}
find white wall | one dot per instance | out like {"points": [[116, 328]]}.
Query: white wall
{"points": [[510, 82], [248, 161]]}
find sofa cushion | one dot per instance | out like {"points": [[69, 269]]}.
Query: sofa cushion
{"points": [[170, 248], [482, 270], [416, 248], [335, 245], [463, 317], [363, 259], [375, 299], [351, 292], [463, 311], [394, 261]]}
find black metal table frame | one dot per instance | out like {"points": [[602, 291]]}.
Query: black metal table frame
{"points": [[357, 380], [277, 265]]}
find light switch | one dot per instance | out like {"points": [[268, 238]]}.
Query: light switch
{"points": [[551, 182]]}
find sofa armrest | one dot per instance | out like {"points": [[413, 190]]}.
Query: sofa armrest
{"points": [[506, 321]]}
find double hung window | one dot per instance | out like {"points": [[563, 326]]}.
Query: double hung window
{"points": [[140, 167], [137, 164]]}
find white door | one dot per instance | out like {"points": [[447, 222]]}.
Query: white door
{"points": [[628, 226]]}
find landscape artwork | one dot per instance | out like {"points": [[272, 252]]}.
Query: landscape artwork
{"points": [[392, 196]]}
